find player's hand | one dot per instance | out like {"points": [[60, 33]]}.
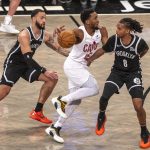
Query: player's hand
{"points": [[103, 31], [87, 58], [51, 74], [58, 30]]}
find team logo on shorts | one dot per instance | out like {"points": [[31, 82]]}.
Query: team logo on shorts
{"points": [[137, 81]]}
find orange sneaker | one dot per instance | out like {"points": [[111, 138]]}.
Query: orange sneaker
{"points": [[145, 144], [100, 127], [40, 117]]}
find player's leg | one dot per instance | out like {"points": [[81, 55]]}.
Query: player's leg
{"points": [[6, 26], [112, 85], [89, 88], [32, 75], [10, 76], [4, 91], [135, 88], [54, 129]]}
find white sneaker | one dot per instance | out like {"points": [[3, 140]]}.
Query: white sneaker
{"points": [[60, 106], [54, 133], [8, 28]]}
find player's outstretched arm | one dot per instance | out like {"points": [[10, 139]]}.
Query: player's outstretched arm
{"points": [[104, 34], [50, 42], [96, 55]]}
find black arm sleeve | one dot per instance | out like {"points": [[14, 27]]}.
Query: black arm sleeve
{"points": [[32, 63], [109, 46], [142, 46]]}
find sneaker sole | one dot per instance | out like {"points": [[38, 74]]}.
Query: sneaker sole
{"points": [[40, 120], [1, 30], [102, 131], [59, 110], [54, 136], [145, 146]]}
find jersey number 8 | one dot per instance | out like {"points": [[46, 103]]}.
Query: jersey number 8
{"points": [[125, 63]]}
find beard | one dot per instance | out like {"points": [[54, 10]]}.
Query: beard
{"points": [[39, 26], [96, 28]]}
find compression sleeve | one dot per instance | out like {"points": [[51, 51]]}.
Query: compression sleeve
{"points": [[32, 63]]}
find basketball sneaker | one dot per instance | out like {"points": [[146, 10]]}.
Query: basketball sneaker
{"points": [[40, 117], [100, 127], [54, 133], [8, 28], [60, 106], [145, 141]]}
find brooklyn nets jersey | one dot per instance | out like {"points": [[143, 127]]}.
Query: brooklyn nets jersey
{"points": [[15, 55], [126, 56]]}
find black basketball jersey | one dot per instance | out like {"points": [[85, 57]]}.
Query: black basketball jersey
{"points": [[126, 57], [15, 55]]}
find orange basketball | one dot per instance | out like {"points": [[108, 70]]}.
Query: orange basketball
{"points": [[66, 39]]}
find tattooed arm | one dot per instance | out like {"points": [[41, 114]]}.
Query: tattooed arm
{"points": [[50, 42]]}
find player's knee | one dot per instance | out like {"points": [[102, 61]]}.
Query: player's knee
{"points": [[96, 90], [51, 82], [55, 81], [138, 107]]}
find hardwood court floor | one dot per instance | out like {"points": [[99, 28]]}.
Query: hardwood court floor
{"points": [[19, 132]]}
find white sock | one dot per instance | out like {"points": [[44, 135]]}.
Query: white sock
{"points": [[68, 111], [7, 19], [90, 88]]}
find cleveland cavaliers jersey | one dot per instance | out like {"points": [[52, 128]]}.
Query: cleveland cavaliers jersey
{"points": [[88, 46], [15, 55], [126, 56]]}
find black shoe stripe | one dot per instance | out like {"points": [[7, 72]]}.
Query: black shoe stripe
{"points": [[51, 133], [55, 104]]}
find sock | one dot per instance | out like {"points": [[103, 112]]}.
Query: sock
{"points": [[101, 114], [143, 129], [7, 20], [57, 124], [38, 107]]}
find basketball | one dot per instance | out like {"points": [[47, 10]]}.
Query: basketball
{"points": [[66, 39]]}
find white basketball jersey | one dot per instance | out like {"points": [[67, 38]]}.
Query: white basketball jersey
{"points": [[88, 46]]}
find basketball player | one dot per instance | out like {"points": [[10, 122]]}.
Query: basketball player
{"points": [[7, 26], [128, 48], [20, 63], [82, 83]]}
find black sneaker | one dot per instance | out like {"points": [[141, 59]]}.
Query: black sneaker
{"points": [[54, 133], [100, 126]]}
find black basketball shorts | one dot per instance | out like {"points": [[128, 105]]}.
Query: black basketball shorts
{"points": [[133, 81], [12, 73]]}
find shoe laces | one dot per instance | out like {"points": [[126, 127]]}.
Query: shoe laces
{"points": [[63, 104], [41, 115]]}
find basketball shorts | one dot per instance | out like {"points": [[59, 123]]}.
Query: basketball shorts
{"points": [[76, 73], [133, 82], [12, 73]]}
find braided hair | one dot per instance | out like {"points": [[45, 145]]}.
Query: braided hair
{"points": [[132, 24]]}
